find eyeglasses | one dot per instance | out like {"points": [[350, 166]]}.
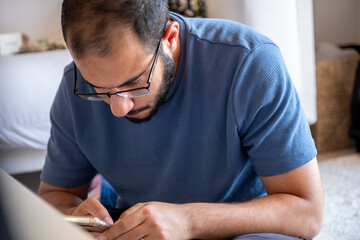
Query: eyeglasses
{"points": [[130, 93]]}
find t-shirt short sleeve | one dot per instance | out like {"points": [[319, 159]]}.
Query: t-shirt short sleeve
{"points": [[271, 124]]}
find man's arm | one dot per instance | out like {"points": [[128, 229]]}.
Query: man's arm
{"points": [[64, 199], [294, 207], [73, 201]]}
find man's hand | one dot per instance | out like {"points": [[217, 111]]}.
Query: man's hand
{"points": [[153, 220], [92, 207], [73, 201]]}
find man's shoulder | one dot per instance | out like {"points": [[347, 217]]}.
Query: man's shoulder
{"points": [[224, 32], [64, 96], [69, 69], [67, 81]]}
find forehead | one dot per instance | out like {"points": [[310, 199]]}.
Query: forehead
{"points": [[127, 59]]}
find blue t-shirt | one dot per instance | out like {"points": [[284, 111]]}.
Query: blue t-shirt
{"points": [[231, 116]]}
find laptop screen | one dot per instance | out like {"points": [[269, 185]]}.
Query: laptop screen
{"points": [[25, 216]]}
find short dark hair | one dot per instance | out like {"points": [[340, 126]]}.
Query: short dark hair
{"points": [[86, 23]]}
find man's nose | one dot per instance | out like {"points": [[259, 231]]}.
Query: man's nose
{"points": [[120, 106]]}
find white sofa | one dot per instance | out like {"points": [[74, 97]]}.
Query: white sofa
{"points": [[28, 83]]}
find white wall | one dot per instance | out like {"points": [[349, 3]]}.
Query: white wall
{"points": [[36, 18], [337, 21]]}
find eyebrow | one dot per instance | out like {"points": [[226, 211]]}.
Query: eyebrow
{"points": [[121, 85]]}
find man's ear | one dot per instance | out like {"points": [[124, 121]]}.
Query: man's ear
{"points": [[171, 36]]}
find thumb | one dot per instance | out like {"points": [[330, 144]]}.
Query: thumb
{"points": [[93, 207]]}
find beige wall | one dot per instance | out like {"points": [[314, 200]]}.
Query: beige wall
{"points": [[337, 21], [36, 18]]}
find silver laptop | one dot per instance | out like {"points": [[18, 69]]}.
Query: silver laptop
{"points": [[25, 216]]}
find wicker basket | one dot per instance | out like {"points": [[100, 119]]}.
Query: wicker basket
{"points": [[334, 81]]}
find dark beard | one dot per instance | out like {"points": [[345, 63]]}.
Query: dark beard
{"points": [[168, 77]]}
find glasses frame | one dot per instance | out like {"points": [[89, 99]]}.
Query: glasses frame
{"points": [[102, 97]]}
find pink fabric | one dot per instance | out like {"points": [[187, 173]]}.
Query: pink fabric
{"points": [[95, 186]]}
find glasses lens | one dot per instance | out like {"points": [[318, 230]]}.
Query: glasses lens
{"points": [[94, 97], [129, 94], [134, 93]]}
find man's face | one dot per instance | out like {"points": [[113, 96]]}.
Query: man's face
{"points": [[128, 68]]}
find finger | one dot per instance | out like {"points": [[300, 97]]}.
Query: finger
{"points": [[126, 224], [146, 230], [131, 210], [139, 232], [93, 207], [95, 234], [99, 211]]}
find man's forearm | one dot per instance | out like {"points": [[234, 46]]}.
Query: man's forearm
{"points": [[279, 213], [74, 201], [63, 201]]}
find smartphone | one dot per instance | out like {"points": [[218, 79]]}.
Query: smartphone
{"points": [[90, 223]]}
